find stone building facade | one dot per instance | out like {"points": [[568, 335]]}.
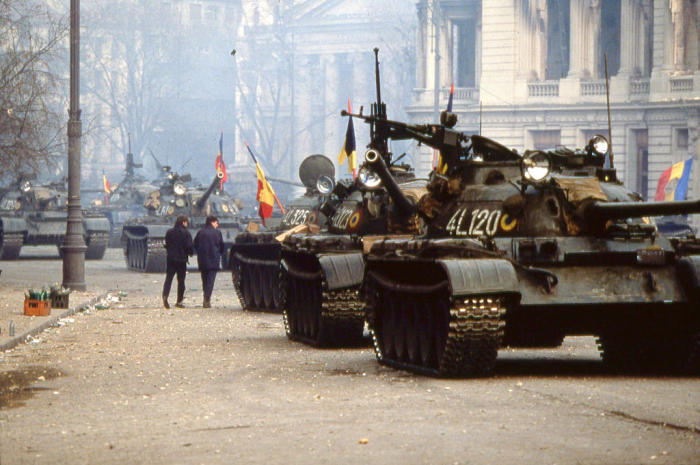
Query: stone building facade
{"points": [[531, 74]]}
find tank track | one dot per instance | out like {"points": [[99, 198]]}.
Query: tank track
{"points": [[96, 246], [324, 318], [269, 283], [146, 255], [10, 245], [437, 335]]}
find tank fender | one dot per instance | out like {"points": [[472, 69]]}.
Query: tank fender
{"points": [[689, 275], [342, 270], [99, 224], [13, 225], [481, 276]]}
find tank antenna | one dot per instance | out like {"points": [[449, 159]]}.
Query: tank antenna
{"points": [[607, 95]]}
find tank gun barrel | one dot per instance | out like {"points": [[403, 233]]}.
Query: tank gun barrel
{"points": [[203, 199], [285, 181], [403, 204], [603, 211]]}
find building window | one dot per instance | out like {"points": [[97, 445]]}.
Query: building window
{"points": [[464, 53], [641, 141], [544, 140], [610, 37], [211, 14], [558, 21], [681, 139]]}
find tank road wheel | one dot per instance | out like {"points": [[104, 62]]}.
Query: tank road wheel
{"points": [[257, 286], [440, 327], [268, 286], [425, 331], [411, 326], [247, 286], [388, 326]]}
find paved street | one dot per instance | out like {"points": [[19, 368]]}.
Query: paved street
{"points": [[135, 383]]}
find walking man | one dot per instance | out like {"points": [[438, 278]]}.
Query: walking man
{"points": [[209, 244], [178, 243]]}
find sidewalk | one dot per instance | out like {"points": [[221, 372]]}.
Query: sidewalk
{"points": [[15, 279]]}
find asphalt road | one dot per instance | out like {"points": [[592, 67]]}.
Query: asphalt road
{"points": [[136, 383]]}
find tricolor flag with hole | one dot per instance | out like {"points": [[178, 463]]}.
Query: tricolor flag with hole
{"points": [[673, 183]]}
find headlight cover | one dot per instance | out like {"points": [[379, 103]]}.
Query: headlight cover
{"points": [[325, 185], [536, 166], [368, 178], [179, 188]]}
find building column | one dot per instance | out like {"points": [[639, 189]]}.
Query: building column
{"points": [[585, 38], [629, 37], [577, 41], [333, 103], [662, 42], [305, 118]]}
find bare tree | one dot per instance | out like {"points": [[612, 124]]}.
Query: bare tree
{"points": [[128, 47], [32, 91]]}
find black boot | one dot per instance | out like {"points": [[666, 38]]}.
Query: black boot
{"points": [[206, 303], [165, 302]]}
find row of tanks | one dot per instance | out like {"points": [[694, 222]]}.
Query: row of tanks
{"points": [[36, 214], [143, 237], [497, 249]]}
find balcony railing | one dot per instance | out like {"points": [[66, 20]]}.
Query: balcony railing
{"points": [[543, 89], [462, 94], [590, 88], [639, 87], [682, 84]]}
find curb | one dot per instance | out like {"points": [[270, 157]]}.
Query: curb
{"points": [[12, 343]]}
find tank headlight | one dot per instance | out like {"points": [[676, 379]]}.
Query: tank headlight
{"points": [[179, 189], [180, 202], [536, 166], [368, 178], [599, 145], [325, 185], [26, 186]]}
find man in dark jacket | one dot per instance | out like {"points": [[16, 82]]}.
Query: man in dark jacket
{"points": [[209, 244], [178, 243]]}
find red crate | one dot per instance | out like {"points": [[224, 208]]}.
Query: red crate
{"points": [[35, 307]]}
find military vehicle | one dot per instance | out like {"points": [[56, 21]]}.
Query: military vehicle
{"points": [[321, 273], [126, 199], [36, 214], [524, 249], [255, 256], [144, 236]]}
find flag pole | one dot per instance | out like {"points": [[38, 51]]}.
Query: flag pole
{"points": [[279, 204]]}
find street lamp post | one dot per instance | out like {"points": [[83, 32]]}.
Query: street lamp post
{"points": [[74, 245]]}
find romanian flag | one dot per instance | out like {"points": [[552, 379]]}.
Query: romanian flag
{"points": [[220, 165], [107, 189], [348, 150], [673, 183], [266, 196]]}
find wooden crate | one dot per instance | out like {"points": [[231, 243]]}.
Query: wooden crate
{"points": [[35, 307]]}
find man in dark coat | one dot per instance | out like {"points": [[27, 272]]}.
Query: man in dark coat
{"points": [[209, 244], [178, 243]]}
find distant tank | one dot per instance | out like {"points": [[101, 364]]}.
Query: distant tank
{"points": [[126, 199], [521, 250], [34, 214], [255, 256], [144, 237]]}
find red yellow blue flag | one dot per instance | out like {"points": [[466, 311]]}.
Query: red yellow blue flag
{"points": [[219, 164], [673, 183], [348, 151]]}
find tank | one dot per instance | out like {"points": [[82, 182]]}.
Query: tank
{"points": [[144, 237], [522, 250], [36, 214], [254, 258], [126, 199], [321, 274]]}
